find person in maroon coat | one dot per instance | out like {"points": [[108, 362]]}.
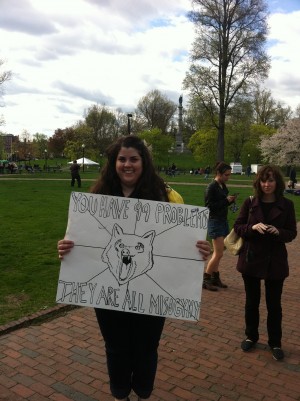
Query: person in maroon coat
{"points": [[265, 223]]}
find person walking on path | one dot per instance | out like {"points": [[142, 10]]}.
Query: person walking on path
{"points": [[266, 223], [293, 177], [248, 171], [217, 199], [75, 168], [207, 172], [131, 340]]}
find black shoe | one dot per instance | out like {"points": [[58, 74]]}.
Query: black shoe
{"points": [[277, 353], [247, 345], [216, 281], [207, 283]]}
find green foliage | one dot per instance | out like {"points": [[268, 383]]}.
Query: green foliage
{"points": [[160, 144], [72, 150], [103, 127], [257, 131], [39, 144], [237, 128], [203, 146]]}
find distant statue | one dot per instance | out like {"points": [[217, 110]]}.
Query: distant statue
{"points": [[180, 100]]}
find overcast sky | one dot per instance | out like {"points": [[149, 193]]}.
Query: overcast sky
{"points": [[67, 55]]}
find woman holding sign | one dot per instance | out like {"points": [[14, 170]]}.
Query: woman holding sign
{"points": [[131, 340]]}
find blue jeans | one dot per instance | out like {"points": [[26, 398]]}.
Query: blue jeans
{"points": [[131, 343], [273, 291]]}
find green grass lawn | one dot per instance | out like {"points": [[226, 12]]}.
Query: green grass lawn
{"points": [[34, 216]]}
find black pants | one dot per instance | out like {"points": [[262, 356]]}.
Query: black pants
{"points": [[77, 178], [131, 342], [273, 291]]}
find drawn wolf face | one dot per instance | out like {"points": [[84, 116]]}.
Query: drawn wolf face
{"points": [[128, 255]]}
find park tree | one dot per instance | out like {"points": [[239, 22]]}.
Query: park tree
{"points": [[58, 141], [268, 111], [84, 134], [203, 144], [25, 146], [195, 117], [283, 148], [104, 126], [40, 144], [159, 144], [73, 150], [251, 152], [238, 123], [155, 110], [227, 55]]}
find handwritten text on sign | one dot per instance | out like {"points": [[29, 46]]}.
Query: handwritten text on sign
{"points": [[133, 255]]}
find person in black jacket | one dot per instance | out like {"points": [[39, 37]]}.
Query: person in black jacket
{"points": [[75, 168], [217, 199]]}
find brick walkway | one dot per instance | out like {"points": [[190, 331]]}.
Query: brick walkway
{"points": [[63, 359]]}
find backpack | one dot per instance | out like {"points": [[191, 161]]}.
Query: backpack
{"points": [[173, 196]]}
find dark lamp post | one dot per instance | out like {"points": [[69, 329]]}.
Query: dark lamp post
{"points": [[129, 126], [83, 146]]}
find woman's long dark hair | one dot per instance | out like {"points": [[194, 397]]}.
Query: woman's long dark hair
{"points": [[264, 173], [150, 185]]}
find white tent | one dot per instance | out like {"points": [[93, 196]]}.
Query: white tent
{"points": [[86, 162]]}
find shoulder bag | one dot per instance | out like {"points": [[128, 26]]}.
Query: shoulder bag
{"points": [[234, 242]]}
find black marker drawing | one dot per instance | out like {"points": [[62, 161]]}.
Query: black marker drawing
{"points": [[128, 255], [134, 255]]}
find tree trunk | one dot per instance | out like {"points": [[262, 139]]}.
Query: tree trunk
{"points": [[221, 131]]}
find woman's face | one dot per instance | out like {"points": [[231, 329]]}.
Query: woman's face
{"points": [[224, 177], [129, 167], [268, 187]]}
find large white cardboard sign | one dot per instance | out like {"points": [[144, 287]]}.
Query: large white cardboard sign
{"points": [[133, 255]]}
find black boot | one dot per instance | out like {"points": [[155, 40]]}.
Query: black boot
{"points": [[216, 281], [207, 283]]}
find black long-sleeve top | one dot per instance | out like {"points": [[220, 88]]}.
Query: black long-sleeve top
{"points": [[216, 200]]}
